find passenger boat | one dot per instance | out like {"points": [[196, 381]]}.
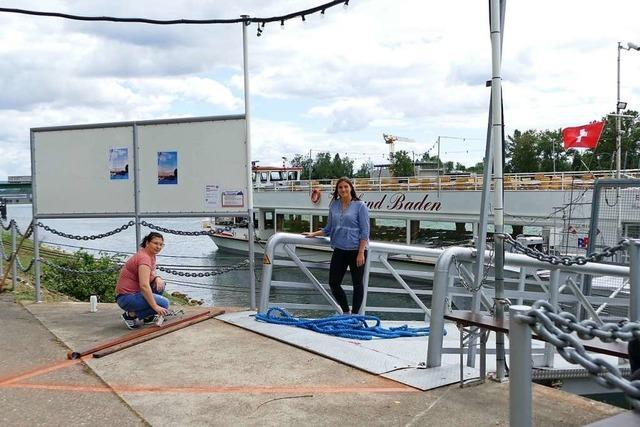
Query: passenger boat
{"points": [[548, 210]]}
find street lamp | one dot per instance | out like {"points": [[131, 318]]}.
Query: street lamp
{"points": [[620, 105]]}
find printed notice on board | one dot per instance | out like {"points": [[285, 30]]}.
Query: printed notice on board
{"points": [[233, 199], [211, 196]]}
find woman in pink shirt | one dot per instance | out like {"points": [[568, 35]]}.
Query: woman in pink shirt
{"points": [[139, 289]]}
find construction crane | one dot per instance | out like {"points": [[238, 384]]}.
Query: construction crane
{"points": [[391, 140]]}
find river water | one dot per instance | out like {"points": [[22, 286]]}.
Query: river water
{"points": [[180, 252]]}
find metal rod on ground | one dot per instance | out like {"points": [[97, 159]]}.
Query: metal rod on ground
{"points": [[247, 115], [520, 413], [36, 265], [155, 334], [79, 354], [634, 280], [554, 286]]}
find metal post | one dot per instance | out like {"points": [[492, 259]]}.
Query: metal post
{"points": [[634, 279], [438, 167], [498, 206], [520, 413], [554, 286], [1, 254], [36, 256], [136, 186], [14, 264], [247, 115], [618, 136]]}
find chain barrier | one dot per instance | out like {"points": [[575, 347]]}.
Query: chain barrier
{"points": [[8, 227], [27, 233], [564, 259], [556, 329], [21, 267], [177, 232], [71, 270], [92, 237], [215, 272], [468, 286]]}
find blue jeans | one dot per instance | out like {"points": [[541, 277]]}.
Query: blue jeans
{"points": [[136, 302]]}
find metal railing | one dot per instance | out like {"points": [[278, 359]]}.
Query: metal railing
{"points": [[379, 261]]}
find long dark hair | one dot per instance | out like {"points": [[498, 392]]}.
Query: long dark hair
{"points": [[149, 237], [335, 195]]}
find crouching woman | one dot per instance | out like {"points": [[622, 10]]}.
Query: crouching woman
{"points": [[139, 289]]}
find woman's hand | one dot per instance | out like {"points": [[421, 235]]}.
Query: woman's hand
{"points": [[158, 284], [308, 234], [161, 311], [360, 259]]}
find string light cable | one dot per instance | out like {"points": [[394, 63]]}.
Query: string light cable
{"points": [[246, 19]]}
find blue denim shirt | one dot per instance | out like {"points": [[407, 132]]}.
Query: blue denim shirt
{"points": [[346, 229]]}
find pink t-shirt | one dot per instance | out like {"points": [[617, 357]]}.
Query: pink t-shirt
{"points": [[128, 281]]}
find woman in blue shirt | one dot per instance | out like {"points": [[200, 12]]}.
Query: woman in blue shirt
{"points": [[348, 229]]}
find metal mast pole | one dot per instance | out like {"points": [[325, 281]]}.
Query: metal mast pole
{"points": [[498, 206], [618, 136], [252, 259]]}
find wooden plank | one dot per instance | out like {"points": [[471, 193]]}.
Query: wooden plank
{"points": [[467, 318]]}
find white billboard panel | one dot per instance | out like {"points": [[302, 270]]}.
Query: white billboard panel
{"points": [[75, 171], [185, 166]]}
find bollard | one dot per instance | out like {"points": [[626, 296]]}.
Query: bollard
{"points": [[520, 413], [93, 303]]}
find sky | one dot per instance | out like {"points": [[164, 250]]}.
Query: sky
{"points": [[411, 68]]}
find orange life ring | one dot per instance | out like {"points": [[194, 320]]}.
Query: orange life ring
{"points": [[315, 196]]}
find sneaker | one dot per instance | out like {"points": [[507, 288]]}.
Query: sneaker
{"points": [[129, 321]]}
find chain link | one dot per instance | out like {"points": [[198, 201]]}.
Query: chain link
{"points": [[564, 259], [556, 329], [71, 270], [92, 237], [8, 227], [469, 287], [21, 267], [178, 232], [215, 272]]}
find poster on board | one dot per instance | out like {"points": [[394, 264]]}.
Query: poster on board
{"points": [[118, 163], [211, 196], [167, 167], [233, 199]]}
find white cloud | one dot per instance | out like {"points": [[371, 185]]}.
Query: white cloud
{"points": [[409, 67]]}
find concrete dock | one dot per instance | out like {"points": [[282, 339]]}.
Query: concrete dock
{"points": [[215, 373]]}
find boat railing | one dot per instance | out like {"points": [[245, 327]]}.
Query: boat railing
{"points": [[541, 181]]}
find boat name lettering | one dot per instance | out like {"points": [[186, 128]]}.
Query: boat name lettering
{"points": [[398, 202]]}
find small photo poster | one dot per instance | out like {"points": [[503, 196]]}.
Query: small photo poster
{"points": [[167, 167], [211, 196], [118, 163], [233, 199]]}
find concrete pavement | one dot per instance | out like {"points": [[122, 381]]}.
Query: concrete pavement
{"points": [[213, 373]]}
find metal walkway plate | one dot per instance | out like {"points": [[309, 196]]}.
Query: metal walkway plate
{"points": [[397, 359]]}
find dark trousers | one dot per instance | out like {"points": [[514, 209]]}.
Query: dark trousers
{"points": [[340, 260]]}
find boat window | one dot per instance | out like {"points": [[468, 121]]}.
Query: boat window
{"points": [[276, 176], [253, 176], [263, 176], [388, 230], [319, 221], [293, 223], [268, 220], [293, 176], [437, 234]]}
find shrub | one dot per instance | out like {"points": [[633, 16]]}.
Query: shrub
{"points": [[83, 285]]}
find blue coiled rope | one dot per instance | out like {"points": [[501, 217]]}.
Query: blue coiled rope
{"points": [[345, 326]]}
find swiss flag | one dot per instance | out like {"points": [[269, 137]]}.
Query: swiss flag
{"points": [[585, 136]]}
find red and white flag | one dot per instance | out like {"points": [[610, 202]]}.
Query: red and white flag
{"points": [[585, 136]]}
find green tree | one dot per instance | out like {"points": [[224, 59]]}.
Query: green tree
{"points": [[521, 152], [401, 164], [305, 163], [365, 170], [341, 167]]}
